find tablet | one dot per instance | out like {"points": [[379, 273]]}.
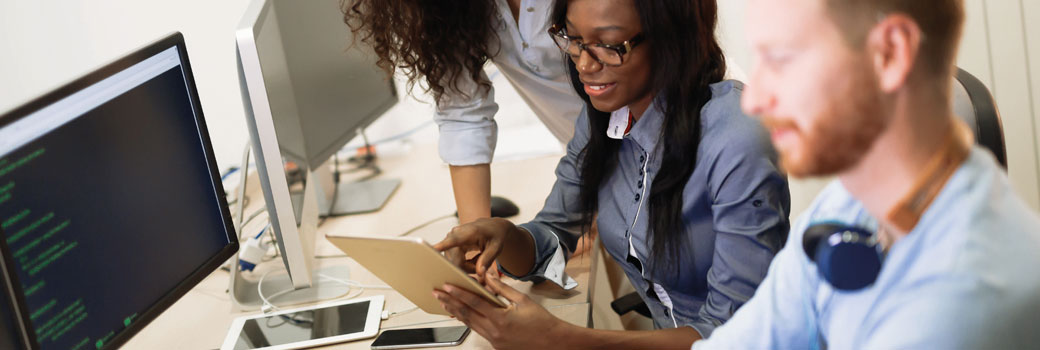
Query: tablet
{"points": [[410, 266], [307, 326]]}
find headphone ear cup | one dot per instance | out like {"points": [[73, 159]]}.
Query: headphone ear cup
{"points": [[845, 257], [815, 234], [848, 266]]}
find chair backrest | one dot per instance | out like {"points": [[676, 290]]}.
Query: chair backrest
{"points": [[973, 103]]}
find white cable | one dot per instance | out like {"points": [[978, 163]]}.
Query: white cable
{"points": [[268, 307], [402, 312], [351, 283], [354, 289]]}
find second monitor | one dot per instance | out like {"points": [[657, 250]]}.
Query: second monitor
{"points": [[308, 90]]}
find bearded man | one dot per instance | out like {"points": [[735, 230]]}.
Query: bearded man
{"points": [[921, 242]]}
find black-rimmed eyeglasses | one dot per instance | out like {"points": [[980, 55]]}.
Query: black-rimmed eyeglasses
{"points": [[607, 54]]}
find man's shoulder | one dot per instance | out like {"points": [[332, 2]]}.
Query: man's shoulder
{"points": [[980, 204], [1001, 233], [983, 237]]}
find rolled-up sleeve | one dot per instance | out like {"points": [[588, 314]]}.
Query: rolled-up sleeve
{"points": [[558, 224], [466, 122], [750, 200]]}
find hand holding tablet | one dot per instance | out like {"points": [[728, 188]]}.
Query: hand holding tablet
{"points": [[412, 267]]}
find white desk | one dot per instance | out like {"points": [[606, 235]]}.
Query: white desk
{"points": [[200, 320]]}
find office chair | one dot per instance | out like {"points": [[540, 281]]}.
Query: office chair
{"points": [[972, 103]]}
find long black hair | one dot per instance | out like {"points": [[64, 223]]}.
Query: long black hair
{"points": [[686, 59]]}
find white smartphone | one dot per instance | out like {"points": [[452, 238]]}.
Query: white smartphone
{"points": [[307, 326], [420, 338]]}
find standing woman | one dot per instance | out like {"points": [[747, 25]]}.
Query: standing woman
{"points": [[443, 45], [689, 197]]}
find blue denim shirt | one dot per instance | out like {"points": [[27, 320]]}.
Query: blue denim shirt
{"points": [[735, 208]]}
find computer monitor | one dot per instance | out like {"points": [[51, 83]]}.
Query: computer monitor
{"points": [[308, 89], [110, 201], [10, 337]]}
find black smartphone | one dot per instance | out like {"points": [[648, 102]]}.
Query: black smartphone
{"points": [[420, 337]]}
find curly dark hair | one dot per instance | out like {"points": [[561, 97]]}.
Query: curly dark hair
{"points": [[431, 41], [686, 59]]}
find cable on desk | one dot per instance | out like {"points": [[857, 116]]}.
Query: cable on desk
{"points": [[402, 312], [269, 307], [234, 200], [428, 223], [250, 218], [351, 283], [410, 231]]}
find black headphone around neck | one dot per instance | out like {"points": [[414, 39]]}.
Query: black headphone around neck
{"points": [[847, 257]]}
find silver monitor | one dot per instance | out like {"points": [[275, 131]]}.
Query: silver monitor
{"points": [[308, 89]]}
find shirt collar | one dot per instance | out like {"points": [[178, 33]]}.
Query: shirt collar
{"points": [[647, 131], [957, 146]]}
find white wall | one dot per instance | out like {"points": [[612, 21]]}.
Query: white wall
{"points": [[1008, 65], [44, 44]]}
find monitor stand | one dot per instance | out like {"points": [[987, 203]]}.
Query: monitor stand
{"points": [[244, 295], [355, 197], [361, 197], [319, 284]]}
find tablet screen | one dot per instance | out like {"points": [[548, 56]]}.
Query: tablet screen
{"points": [[301, 326]]}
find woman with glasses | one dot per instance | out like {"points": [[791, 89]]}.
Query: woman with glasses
{"points": [[443, 46], [684, 187]]}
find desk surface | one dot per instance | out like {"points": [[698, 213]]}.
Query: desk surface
{"points": [[200, 320]]}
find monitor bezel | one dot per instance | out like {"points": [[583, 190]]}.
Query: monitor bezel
{"points": [[13, 288]]}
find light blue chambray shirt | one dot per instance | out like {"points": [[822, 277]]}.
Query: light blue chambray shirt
{"points": [[966, 277], [526, 56], [735, 208]]}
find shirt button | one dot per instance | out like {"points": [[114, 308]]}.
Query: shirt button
{"points": [[639, 184], [530, 9], [637, 197], [642, 158], [525, 45]]}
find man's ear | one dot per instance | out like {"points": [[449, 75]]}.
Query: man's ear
{"points": [[894, 45]]}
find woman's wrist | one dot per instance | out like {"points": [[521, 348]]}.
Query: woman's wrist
{"points": [[567, 336], [517, 255]]}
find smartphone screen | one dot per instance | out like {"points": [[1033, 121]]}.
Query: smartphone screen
{"points": [[420, 337]]}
